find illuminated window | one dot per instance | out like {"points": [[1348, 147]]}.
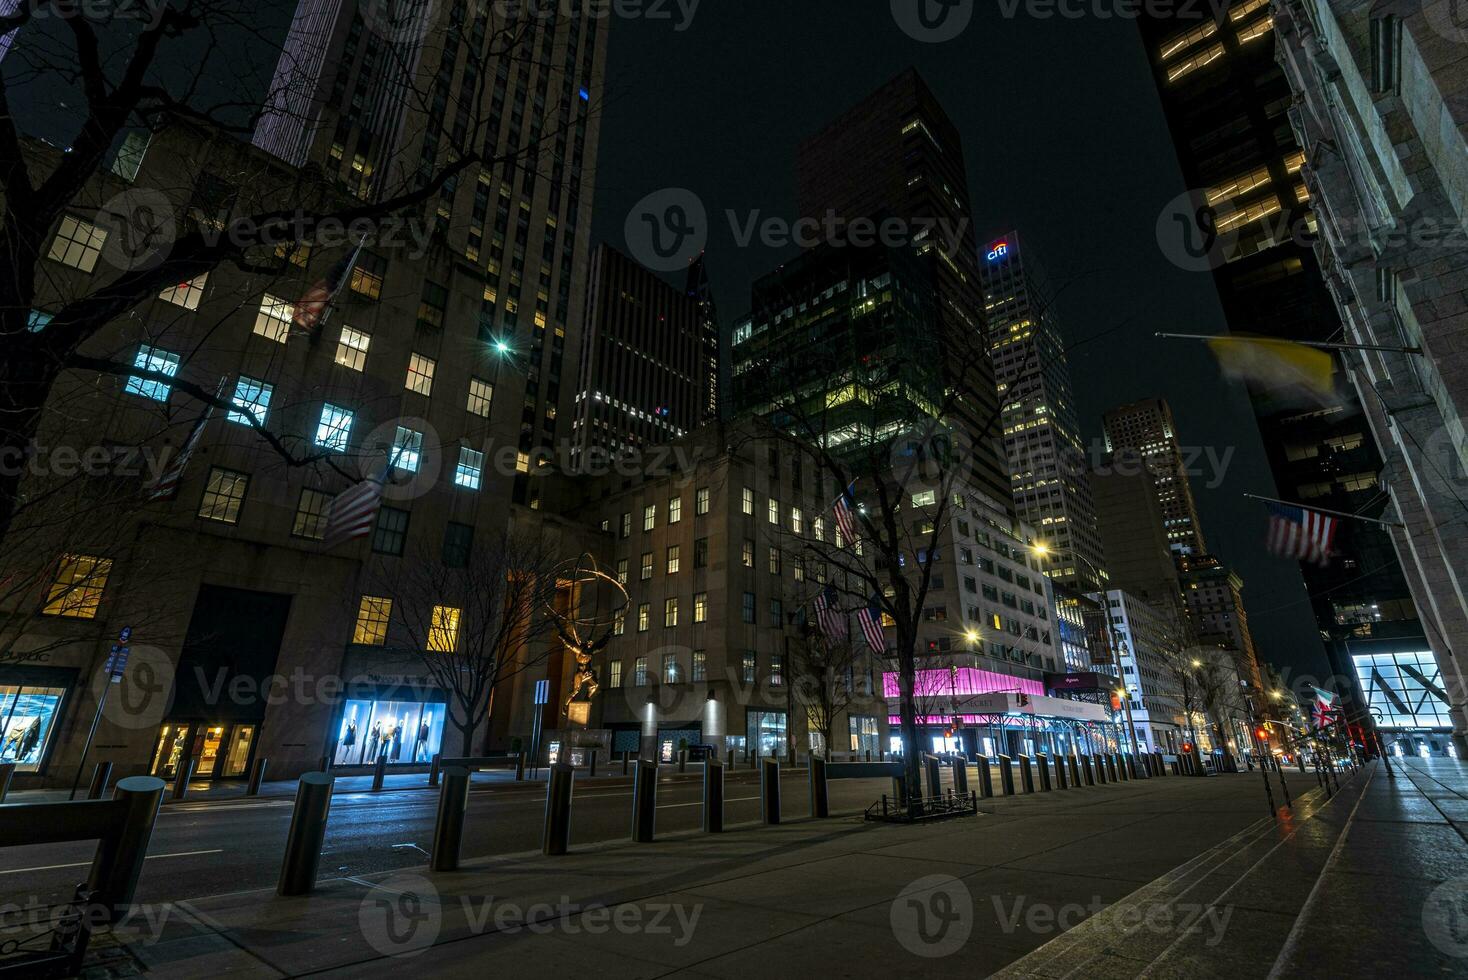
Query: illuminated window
{"points": [[639, 672], [367, 275], [774, 511], [420, 374], [797, 520], [273, 322], [77, 243], [747, 501], [351, 349], [673, 559], [333, 428], [253, 397], [614, 674], [407, 449], [152, 359], [644, 617], [186, 294], [675, 510], [311, 512], [481, 393], [443, 630], [223, 495], [646, 565], [701, 501], [670, 612], [470, 466], [649, 516], [700, 607], [372, 616], [77, 590], [700, 665]]}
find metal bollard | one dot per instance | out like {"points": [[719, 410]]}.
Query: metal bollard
{"points": [[1100, 762], [1044, 770], [1060, 774], [7, 770], [682, 760], [1006, 775], [626, 756], [324, 764], [644, 801], [960, 775], [1026, 774], [1074, 761], [1113, 768], [591, 763], [986, 777], [101, 776], [557, 835], [769, 791], [520, 769], [448, 829], [435, 766], [820, 799], [379, 773], [713, 797], [181, 781], [933, 769], [308, 831], [257, 776], [118, 865]]}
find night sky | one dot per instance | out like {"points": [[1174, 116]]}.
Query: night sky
{"points": [[1065, 141]]}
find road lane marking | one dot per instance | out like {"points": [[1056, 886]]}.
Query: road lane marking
{"points": [[88, 864]]}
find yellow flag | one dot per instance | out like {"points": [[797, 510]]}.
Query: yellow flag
{"points": [[1273, 364]]}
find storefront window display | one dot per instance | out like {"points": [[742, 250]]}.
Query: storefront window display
{"points": [[28, 716], [402, 732], [865, 735], [767, 732]]}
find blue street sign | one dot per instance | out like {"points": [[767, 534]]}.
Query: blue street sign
{"points": [[117, 662], [125, 635]]}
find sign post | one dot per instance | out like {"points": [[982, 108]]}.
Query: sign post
{"points": [[116, 664], [537, 722]]}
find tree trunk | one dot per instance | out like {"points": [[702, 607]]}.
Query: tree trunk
{"points": [[907, 709]]}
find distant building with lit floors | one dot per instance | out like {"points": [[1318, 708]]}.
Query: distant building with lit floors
{"points": [[1042, 438], [1145, 641], [645, 368], [1147, 428]]}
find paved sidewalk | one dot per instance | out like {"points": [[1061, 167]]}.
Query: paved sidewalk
{"points": [[837, 897]]}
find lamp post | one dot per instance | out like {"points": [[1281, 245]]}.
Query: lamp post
{"points": [[1043, 550]]}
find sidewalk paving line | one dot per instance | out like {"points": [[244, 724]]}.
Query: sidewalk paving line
{"points": [[1297, 930], [88, 864]]}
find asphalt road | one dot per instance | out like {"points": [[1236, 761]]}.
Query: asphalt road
{"points": [[210, 848]]}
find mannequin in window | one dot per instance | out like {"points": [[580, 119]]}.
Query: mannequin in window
{"points": [[373, 739], [396, 740]]}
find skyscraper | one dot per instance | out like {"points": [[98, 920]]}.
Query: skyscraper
{"points": [[384, 95], [1047, 459], [1146, 428], [1227, 103], [896, 155], [644, 374], [701, 291]]}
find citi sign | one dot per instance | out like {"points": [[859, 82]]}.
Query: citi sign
{"points": [[999, 251]]}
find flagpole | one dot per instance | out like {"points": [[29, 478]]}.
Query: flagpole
{"points": [[1321, 344], [1332, 513]]}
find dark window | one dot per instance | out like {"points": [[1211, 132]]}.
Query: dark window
{"points": [[391, 531], [457, 541]]}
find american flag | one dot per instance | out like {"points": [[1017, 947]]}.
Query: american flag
{"points": [[831, 619], [166, 483], [312, 307], [353, 512], [845, 522], [870, 619], [1304, 535]]}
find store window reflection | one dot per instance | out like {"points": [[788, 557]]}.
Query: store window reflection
{"points": [[402, 732], [27, 720]]}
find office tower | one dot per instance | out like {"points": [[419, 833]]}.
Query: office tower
{"points": [[384, 94], [701, 291], [1227, 97], [1215, 601], [644, 376], [1042, 439], [897, 155], [1133, 530], [1147, 428]]}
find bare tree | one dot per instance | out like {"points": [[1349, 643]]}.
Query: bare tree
{"points": [[474, 615], [828, 676]]}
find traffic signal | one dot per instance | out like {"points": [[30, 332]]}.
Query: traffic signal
{"points": [[1262, 733], [1024, 700]]}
